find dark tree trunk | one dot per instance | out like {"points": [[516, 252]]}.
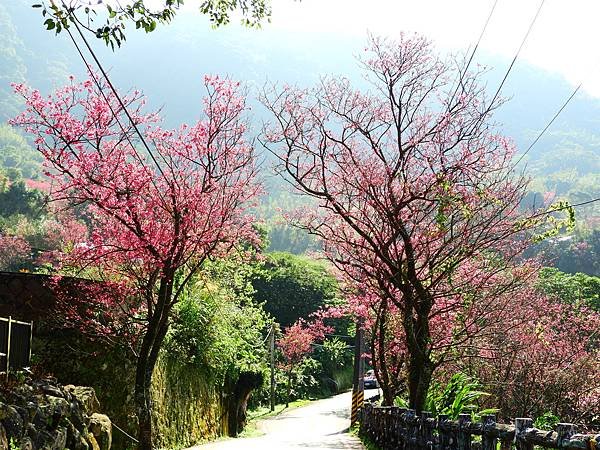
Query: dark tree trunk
{"points": [[144, 418], [289, 389], [156, 331], [419, 380], [143, 379], [418, 341], [388, 386], [238, 400], [388, 395]]}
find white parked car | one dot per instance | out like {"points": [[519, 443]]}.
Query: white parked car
{"points": [[369, 380]]}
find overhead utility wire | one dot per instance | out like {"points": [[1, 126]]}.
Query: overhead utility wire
{"points": [[483, 30], [97, 83], [498, 90], [505, 78], [562, 208], [549, 124], [115, 115], [93, 54], [508, 72], [517, 54], [464, 72]]}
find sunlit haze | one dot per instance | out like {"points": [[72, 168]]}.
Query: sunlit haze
{"points": [[564, 39]]}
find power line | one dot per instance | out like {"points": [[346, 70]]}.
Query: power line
{"points": [[548, 124], [347, 347], [516, 54], [562, 208], [506, 77], [483, 30], [97, 83], [339, 335], [464, 72], [576, 205], [115, 93]]}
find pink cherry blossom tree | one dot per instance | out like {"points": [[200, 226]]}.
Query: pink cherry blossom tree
{"points": [[156, 213], [13, 250], [538, 356], [297, 343], [418, 206]]}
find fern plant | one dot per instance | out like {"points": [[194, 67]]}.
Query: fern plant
{"points": [[459, 395]]}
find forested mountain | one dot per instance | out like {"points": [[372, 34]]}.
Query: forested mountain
{"points": [[566, 161]]}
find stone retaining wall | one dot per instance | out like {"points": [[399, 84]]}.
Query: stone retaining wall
{"points": [[42, 414]]}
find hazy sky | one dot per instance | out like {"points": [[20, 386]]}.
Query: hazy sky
{"points": [[564, 39]]}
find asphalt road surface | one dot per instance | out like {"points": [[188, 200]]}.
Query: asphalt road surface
{"points": [[322, 424]]}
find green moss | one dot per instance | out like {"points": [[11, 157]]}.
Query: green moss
{"points": [[187, 407], [187, 410]]}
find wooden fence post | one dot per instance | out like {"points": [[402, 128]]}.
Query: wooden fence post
{"points": [[521, 424], [410, 434], [487, 424], [401, 429], [464, 437], [564, 432], [8, 346], [444, 436], [30, 340], [380, 426], [387, 426], [426, 435], [364, 416], [395, 427]]}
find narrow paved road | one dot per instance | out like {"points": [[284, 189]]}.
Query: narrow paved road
{"points": [[319, 425]]}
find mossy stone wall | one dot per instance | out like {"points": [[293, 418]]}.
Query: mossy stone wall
{"points": [[187, 410], [187, 407]]}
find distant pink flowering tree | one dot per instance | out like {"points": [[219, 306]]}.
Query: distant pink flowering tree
{"points": [[418, 206], [30, 243], [13, 251], [155, 214], [297, 343]]}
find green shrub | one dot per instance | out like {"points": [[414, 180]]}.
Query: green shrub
{"points": [[546, 421], [458, 396]]}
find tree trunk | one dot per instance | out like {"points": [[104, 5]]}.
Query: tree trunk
{"points": [[289, 389], [418, 340], [143, 404], [238, 400], [158, 326], [378, 347], [419, 379], [388, 395], [143, 396]]}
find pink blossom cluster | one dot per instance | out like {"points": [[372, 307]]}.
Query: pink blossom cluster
{"points": [[157, 207], [182, 201], [99, 310], [13, 250], [298, 339], [540, 355]]}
